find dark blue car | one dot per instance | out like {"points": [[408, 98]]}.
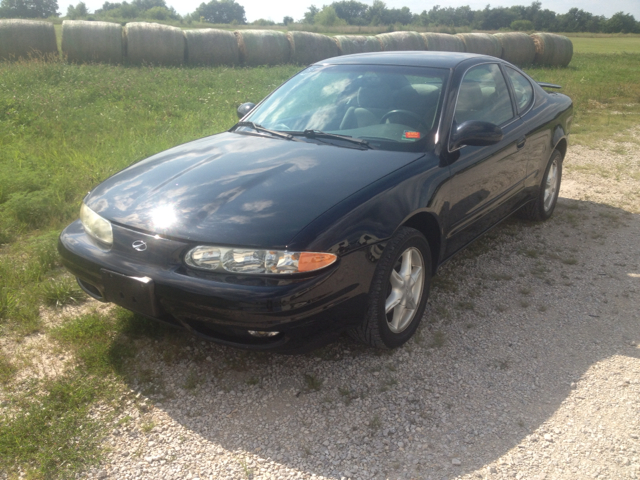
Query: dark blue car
{"points": [[330, 205]]}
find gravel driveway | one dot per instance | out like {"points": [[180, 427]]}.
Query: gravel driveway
{"points": [[526, 366]]}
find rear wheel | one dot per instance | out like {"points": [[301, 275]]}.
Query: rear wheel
{"points": [[399, 291], [545, 203]]}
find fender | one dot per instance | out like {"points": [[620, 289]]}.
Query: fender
{"points": [[374, 213]]}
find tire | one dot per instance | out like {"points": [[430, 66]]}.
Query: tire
{"points": [[407, 255], [542, 208]]}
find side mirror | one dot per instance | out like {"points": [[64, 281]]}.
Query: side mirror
{"points": [[476, 134], [245, 108]]}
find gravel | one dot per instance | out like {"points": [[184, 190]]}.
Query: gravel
{"points": [[526, 366]]}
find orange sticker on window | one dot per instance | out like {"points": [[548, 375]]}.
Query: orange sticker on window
{"points": [[411, 134]]}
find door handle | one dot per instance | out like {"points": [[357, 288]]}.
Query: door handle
{"points": [[521, 142]]}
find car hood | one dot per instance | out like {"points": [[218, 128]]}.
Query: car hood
{"points": [[239, 189]]}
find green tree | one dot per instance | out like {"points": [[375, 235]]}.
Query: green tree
{"points": [[497, 18], [161, 13], [522, 26], [29, 8], [287, 20], [378, 13], [79, 11], [328, 17], [222, 11], [144, 5], [351, 11], [310, 14], [621, 23], [577, 20]]}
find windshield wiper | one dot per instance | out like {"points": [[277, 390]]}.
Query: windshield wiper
{"points": [[260, 128], [319, 134]]}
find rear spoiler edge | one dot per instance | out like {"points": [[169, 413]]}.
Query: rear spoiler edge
{"points": [[548, 85]]}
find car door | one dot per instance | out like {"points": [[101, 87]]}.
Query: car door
{"points": [[538, 138], [485, 181]]}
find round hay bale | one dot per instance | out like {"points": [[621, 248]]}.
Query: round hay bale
{"points": [[552, 50], [25, 38], [208, 46], [309, 47], [482, 43], [443, 42], [263, 47], [154, 43], [517, 48], [349, 44], [92, 41], [401, 41]]}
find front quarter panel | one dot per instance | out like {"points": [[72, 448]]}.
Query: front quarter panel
{"points": [[374, 213]]}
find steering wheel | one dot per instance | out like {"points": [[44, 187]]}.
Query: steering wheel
{"points": [[407, 113]]}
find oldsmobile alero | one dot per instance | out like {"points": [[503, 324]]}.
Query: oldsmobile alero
{"points": [[330, 205]]}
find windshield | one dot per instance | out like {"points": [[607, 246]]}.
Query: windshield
{"points": [[391, 107]]}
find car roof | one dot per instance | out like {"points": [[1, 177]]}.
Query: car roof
{"points": [[407, 58]]}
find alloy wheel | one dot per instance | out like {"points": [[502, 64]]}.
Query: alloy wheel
{"points": [[405, 290]]}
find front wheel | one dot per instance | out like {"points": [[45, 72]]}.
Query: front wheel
{"points": [[399, 291], [547, 197]]}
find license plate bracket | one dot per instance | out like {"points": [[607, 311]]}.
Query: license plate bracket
{"points": [[133, 293]]}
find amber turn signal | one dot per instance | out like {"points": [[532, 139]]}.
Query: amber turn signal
{"points": [[314, 261]]}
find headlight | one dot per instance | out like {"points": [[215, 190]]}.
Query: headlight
{"points": [[251, 261], [96, 226]]}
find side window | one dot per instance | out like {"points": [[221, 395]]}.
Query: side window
{"points": [[484, 96], [522, 89]]}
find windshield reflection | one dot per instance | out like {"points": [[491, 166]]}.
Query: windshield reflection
{"points": [[393, 107]]}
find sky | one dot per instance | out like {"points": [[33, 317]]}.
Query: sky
{"points": [[276, 10]]}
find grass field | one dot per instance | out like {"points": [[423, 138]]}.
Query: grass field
{"points": [[610, 44], [63, 129]]}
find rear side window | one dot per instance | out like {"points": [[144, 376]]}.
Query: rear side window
{"points": [[484, 96], [522, 89]]}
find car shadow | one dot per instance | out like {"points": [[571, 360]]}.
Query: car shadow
{"points": [[513, 324]]}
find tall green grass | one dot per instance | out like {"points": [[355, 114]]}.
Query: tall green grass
{"points": [[605, 92]]}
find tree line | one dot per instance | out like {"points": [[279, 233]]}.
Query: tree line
{"points": [[345, 12]]}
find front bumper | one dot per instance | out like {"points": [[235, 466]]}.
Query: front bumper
{"points": [[222, 307]]}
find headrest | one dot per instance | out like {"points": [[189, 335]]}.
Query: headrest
{"points": [[415, 97], [373, 97], [470, 97]]}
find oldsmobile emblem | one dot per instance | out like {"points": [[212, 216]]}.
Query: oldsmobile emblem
{"points": [[139, 245]]}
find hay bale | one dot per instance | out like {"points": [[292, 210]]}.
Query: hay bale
{"points": [[309, 47], [349, 44], [24, 38], [552, 50], [517, 48], [263, 47], [92, 41], [443, 42], [401, 41], [208, 46], [154, 43], [482, 43]]}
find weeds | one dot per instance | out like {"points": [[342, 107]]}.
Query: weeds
{"points": [[52, 433], [375, 423], [7, 369], [192, 381], [58, 293], [465, 305], [438, 340], [312, 382], [146, 427]]}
